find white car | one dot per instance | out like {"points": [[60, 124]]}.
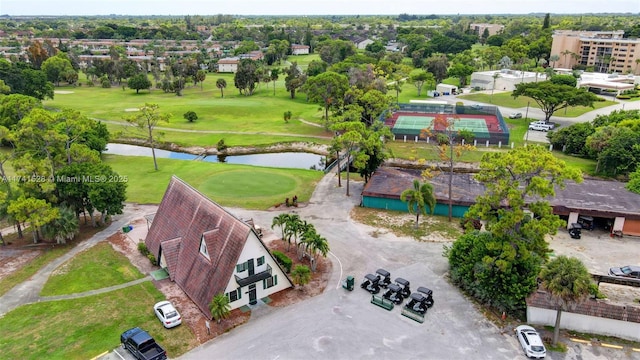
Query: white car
{"points": [[167, 314], [540, 126], [531, 342], [515, 115]]}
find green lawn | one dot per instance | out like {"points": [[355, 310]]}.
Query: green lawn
{"points": [[86, 327], [32, 267], [99, 267], [261, 112], [249, 187], [505, 99]]}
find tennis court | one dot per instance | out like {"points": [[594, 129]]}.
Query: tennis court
{"points": [[423, 122], [486, 123]]}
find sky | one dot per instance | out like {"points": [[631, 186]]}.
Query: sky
{"points": [[312, 7]]}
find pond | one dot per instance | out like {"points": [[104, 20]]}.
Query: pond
{"points": [[295, 160]]}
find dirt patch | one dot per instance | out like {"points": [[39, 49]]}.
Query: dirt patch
{"points": [[14, 259], [319, 278], [19, 252]]}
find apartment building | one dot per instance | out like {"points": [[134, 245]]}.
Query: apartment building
{"points": [[493, 29], [606, 51]]}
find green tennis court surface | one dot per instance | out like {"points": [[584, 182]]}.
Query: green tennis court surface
{"points": [[423, 122]]}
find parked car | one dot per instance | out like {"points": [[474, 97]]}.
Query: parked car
{"points": [[547, 124], [167, 314], [141, 345], [476, 106], [531, 342], [539, 127], [629, 271], [515, 115]]}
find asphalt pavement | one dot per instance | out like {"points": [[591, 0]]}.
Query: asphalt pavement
{"points": [[341, 324]]}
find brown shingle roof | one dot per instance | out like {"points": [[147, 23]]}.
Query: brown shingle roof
{"points": [[591, 197], [186, 214]]}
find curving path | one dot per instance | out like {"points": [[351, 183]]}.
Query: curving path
{"points": [[113, 122], [28, 291]]}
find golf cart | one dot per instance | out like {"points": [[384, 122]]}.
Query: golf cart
{"points": [[384, 277], [428, 294], [370, 283], [417, 303], [404, 287], [575, 230], [393, 294]]}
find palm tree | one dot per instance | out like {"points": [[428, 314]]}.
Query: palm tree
{"points": [[567, 282], [316, 244], [221, 84], [419, 198], [301, 275], [63, 228], [280, 220], [273, 76], [291, 228], [564, 55], [553, 59], [219, 307], [637, 63], [495, 77]]}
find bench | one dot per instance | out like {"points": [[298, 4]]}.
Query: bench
{"points": [[413, 315], [382, 302]]}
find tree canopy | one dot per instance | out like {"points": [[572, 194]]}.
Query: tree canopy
{"points": [[552, 97]]}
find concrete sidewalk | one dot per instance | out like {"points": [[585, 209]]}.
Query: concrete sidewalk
{"points": [[28, 291]]}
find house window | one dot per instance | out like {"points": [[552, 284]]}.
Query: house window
{"points": [[260, 260], [270, 282], [242, 267], [234, 295], [203, 248]]}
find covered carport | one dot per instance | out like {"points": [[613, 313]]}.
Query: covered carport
{"points": [[608, 204], [618, 86]]}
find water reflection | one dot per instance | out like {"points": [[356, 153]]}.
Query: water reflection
{"points": [[295, 160]]}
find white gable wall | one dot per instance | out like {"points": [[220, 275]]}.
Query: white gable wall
{"points": [[254, 249]]}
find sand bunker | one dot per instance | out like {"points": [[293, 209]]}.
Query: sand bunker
{"points": [[63, 92]]}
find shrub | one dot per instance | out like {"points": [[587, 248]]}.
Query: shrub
{"points": [[142, 247], [221, 145], [190, 116], [152, 259], [283, 260]]}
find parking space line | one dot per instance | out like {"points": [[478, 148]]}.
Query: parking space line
{"points": [[100, 355], [612, 346], [579, 340], [635, 349], [117, 353], [339, 263]]}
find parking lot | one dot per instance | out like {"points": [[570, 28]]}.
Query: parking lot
{"points": [[344, 325], [340, 324]]}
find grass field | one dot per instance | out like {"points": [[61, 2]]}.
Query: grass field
{"points": [[243, 186], [505, 99], [96, 268], [86, 327]]}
